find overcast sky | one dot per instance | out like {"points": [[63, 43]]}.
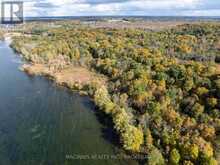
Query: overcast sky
{"points": [[122, 7]]}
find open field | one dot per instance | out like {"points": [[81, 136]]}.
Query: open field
{"points": [[151, 25]]}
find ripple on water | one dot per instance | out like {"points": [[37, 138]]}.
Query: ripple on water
{"points": [[42, 124]]}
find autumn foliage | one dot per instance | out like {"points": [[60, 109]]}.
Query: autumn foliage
{"points": [[162, 91]]}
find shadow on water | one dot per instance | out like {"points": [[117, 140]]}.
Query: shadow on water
{"points": [[108, 130], [42, 124]]}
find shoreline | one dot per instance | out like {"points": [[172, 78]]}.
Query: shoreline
{"points": [[96, 89], [67, 77], [143, 86]]}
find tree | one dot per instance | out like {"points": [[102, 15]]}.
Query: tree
{"points": [[172, 117], [212, 102], [187, 163], [121, 120], [205, 148], [141, 99], [102, 99], [201, 91], [148, 138], [190, 151], [197, 110], [174, 157], [194, 151], [210, 161], [132, 138], [155, 157], [207, 132], [123, 100], [189, 85]]}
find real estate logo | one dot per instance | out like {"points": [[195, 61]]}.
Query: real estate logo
{"points": [[12, 12]]}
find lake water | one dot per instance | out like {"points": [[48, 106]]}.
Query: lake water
{"points": [[42, 124]]}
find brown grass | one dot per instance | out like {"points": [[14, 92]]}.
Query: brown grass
{"points": [[218, 69], [151, 25], [70, 76], [78, 75]]}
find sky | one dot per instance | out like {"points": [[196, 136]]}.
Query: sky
{"points": [[121, 7]]}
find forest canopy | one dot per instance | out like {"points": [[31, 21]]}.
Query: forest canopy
{"points": [[163, 89]]}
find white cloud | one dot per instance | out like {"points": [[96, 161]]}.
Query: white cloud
{"points": [[203, 13], [121, 7]]}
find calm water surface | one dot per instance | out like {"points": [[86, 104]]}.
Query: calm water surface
{"points": [[41, 124]]}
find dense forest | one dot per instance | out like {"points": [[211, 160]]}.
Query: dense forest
{"points": [[163, 88]]}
